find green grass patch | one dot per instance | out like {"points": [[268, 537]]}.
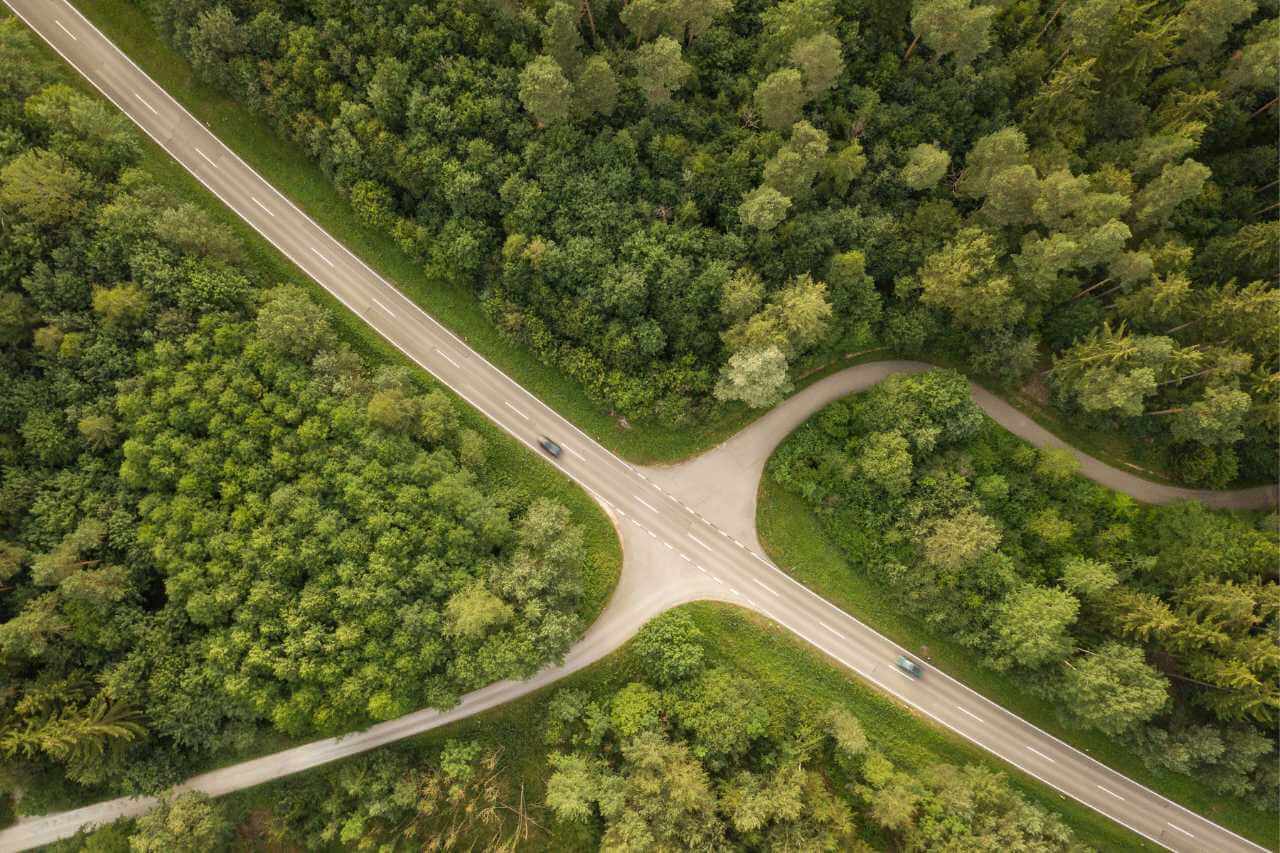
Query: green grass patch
{"points": [[793, 537]]}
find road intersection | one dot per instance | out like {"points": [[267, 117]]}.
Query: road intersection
{"points": [[687, 531]]}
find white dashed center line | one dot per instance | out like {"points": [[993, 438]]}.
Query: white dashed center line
{"points": [[215, 165], [1042, 755], [65, 30], [1111, 792], [1180, 829], [446, 357], [321, 257], [263, 206], [574, 452], [700, 542], [699, 568], [514, 409], [383, 307], [970, 713], [686, 558], [154, 111], [833, 630], [646, 504], [764, 585]]}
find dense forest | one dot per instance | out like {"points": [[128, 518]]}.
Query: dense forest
{"points": [[674, 751], [1153, 624], [679, 202], [217, 520]]}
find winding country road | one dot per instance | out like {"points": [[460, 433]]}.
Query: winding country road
{"points": [[687, 530]]}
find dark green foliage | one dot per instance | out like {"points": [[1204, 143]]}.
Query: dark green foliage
{"points": [[1153, 624], [708, 760], [589, 169], [217, 521], [668, 648]]}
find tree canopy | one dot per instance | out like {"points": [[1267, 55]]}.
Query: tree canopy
{"points": [[1022, 180], [1152, 624], [217, 519]]}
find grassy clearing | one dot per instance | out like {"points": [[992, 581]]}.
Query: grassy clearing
{"points": [[793, 537], [786, 668]]}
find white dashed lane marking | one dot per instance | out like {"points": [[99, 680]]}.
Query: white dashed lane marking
{"points": [[65, 30], [833, 630], [1111, 792], [215, 165], [1180, 829], [445, 356], [154, 111], [970, 713], [263, 206], [1042, 755], [514, 409], [764, 585], [646, 504], [383, 307], [700, 542]]}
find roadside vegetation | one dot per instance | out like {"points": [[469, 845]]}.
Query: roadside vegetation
{"points": [[683, 205], [222, 525], [711, 727], [1146, 633]]}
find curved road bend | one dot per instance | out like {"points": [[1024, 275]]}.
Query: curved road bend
{"points": [[676, 549]]}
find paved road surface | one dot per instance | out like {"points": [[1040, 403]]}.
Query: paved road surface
{"points": [[684, 537]]}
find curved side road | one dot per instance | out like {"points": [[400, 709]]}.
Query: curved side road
{"points": [[679, 543], [723, 482]]}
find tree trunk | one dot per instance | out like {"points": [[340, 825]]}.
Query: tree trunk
{"points": [[1085, 292], [1181, 326], [1049, 22], [1266, 209], [585, 9], [1110, 290], [1262, 109], [1188, 376], [1172, 411], [911, 48]]}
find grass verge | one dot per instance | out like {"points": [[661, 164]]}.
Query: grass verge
{"points": [[793, 537], [784, 667]]}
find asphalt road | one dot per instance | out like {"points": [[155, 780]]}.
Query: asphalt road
{"points": [[687, 530]]}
